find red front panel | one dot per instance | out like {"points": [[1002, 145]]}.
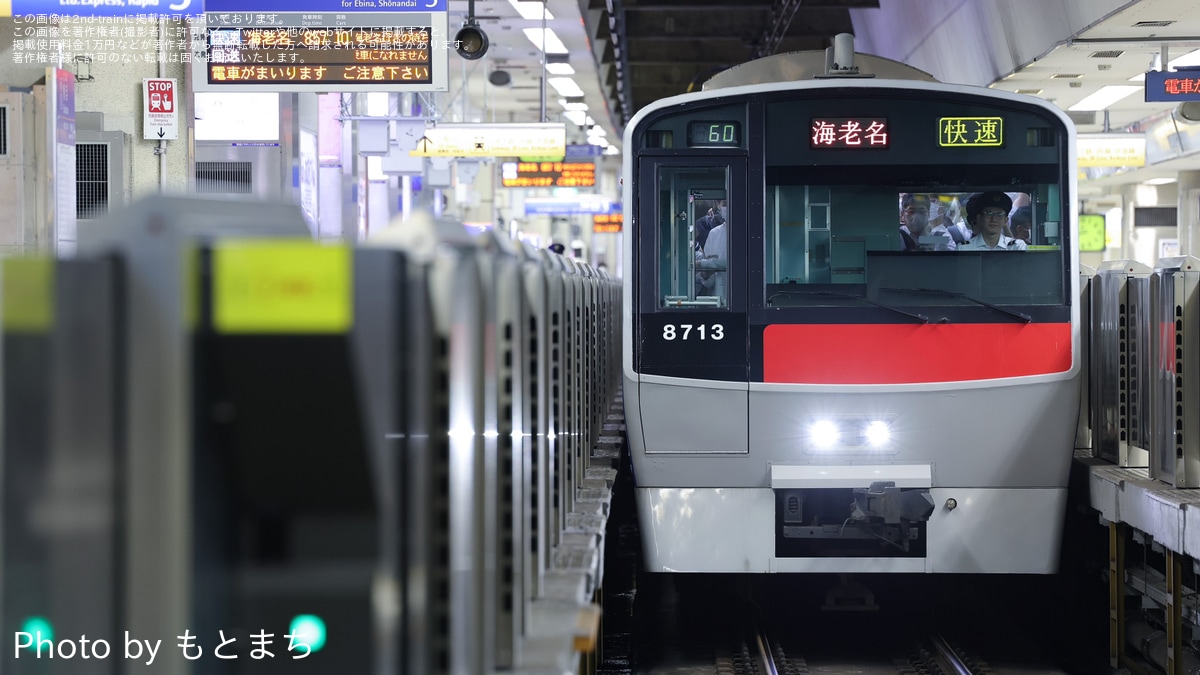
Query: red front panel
{"points": [[907, 353]]}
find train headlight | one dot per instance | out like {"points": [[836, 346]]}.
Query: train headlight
{"points": [[877, 433], [849, 434], [824, 434]]}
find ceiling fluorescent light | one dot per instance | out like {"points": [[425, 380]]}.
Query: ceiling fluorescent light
{"points": [[1189, 59], [1145, 195], [531, 10], [1105, 97], [575, 105], [377, 103], [560, 69], [539, 37], [1159, 181], [565, 86], [575, 116]]}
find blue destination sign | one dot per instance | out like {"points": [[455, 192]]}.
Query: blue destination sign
{"points": [[1179, 85], [293, 6], [569, 206], [582, 150], [108, 7]]}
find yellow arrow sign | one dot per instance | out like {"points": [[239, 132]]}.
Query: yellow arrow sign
{"points": [[492, 140]]}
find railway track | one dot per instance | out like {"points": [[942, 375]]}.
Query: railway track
{"points": [[935, 655], [729, 632]]}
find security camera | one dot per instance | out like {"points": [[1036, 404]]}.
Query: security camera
{"points": [[471, 42], [1189, 111]]}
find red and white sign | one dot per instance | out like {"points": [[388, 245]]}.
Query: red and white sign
{"points": [[160, 109]]}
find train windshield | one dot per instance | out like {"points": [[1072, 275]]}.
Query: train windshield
{"points": [[904, 247], [840, 197]]}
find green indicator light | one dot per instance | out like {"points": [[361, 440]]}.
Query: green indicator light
{"points": [[309, 629], [40, 629]]}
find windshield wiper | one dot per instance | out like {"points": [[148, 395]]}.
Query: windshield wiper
{"points": [[834, 294], [955, 294]]}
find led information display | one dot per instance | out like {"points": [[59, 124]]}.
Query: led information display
{"points": [[607, 223], [970, 132], [866, 133], [714, 134], [548, 174], [322, 51], [1181, 85]]}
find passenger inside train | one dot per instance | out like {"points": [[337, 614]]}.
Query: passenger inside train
{"points": [[713, 259], [713, 216], [1021, 224], [948, 211], [936, 234], [923, 226]]}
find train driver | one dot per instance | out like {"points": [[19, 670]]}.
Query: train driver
{"points": [[987, 214]]}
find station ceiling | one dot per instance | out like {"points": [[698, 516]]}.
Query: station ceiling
{"points": [[672, 46], [628, 53]]}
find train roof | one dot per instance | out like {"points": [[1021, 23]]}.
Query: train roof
{"points": [[809, 65]]}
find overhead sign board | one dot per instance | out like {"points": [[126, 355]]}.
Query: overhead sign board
{"points": [[1110, 150], [352, 48], [1179, 85], [160, 109], [548, 174], [569, 206], [102, 7], [492, 140]]}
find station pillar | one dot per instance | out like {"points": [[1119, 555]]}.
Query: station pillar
{"points": [[1189, 213]]}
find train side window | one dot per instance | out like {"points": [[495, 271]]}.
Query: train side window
{"points": [[692, 212], [819, 235]]}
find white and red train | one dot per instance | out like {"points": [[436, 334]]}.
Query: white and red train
{"points": [[808, 389]]}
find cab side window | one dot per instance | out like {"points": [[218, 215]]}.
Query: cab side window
{"points": [[692, 211]]}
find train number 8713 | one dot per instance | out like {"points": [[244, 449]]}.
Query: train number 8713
{"points": [[687, 331]]}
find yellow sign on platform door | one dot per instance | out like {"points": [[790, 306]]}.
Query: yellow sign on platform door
{"points": [[273, 286]]}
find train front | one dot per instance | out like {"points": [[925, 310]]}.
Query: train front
{"points": [[852, 329]]}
